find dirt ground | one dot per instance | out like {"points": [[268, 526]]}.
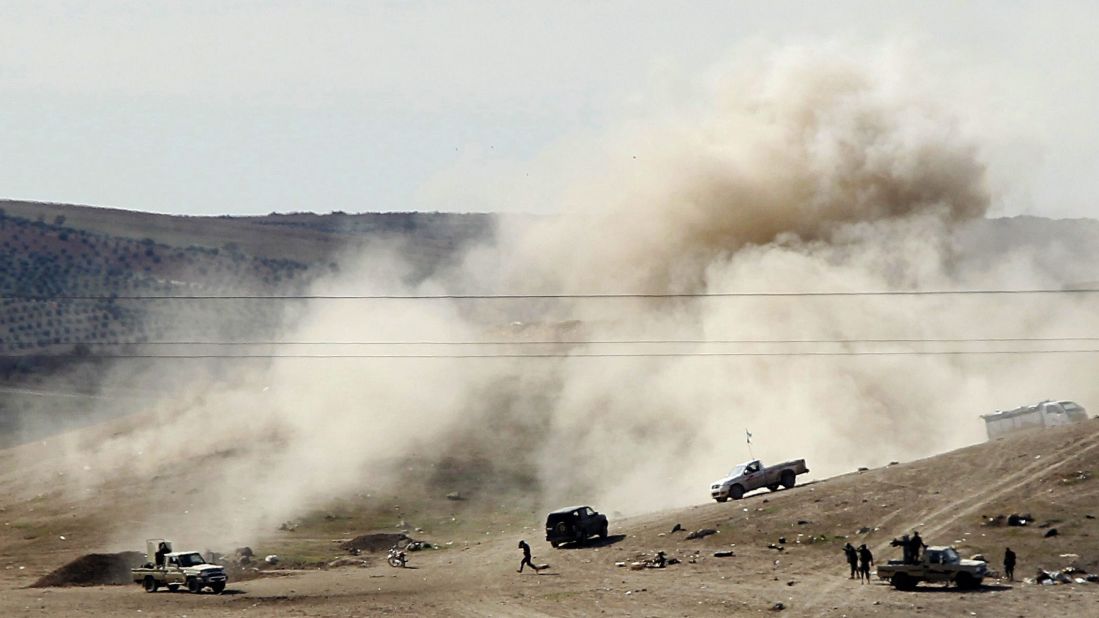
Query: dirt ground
{"points": [[948, 497]]}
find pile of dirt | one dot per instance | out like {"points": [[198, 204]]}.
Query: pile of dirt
{"points": [[374, 542], [94, 570]]}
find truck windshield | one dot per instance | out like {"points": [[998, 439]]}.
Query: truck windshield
{"points": [[950, 556], [737, 471], [194, 559]]}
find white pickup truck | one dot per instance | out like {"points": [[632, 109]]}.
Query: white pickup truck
{"points": [[173, 569], [753, 475]]}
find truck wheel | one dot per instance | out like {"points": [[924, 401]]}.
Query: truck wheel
{"points": [[218, 588], [149, 584], [773, 487], [721, 499], [965, 581], [173, 587], [554, 544], [603, 532], [901, 581], [736, 492], [787, 479], [194, 586]]}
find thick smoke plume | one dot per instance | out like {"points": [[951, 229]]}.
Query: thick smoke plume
{"points": [[806, 174]]}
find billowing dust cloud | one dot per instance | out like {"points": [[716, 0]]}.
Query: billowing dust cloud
{"points": [[805, 174]]}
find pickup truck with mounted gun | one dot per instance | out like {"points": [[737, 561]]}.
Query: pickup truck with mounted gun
{"points": [[938, 564], [174, 569], [753, 475]]}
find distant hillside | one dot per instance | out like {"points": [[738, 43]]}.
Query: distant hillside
{"points": [[51, 250], [300, 236]]}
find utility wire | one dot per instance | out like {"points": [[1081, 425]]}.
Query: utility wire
{"points": [[581, 342], [549, 355], [152, 297]]}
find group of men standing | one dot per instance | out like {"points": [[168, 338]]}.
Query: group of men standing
{"points": [[859, 560]]}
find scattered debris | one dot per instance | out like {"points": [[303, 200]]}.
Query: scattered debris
{"points": [[677, 528], [804, 522], [271, 559], [791, 582], [894, 463], [657, 561], [1019, 520], [243, 556], [1078, 477], [701, 533], [778, 607], [288, 526], [455, 495], [781, 540], [1064, 576], [863, 530], [725, 553], [620, 564], [778, 547], [863, 469], [1051, 532]]}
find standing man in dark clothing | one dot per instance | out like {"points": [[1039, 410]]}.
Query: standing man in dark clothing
{"points": [[916, 545], [906, 547], [161, 550], [852, 559], [865, 560], [1009, 564], [526, 557]]}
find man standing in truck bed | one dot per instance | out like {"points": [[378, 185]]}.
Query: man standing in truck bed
{"points": [[915, 545], [161, 550]]}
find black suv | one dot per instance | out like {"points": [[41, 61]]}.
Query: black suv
{"points": [[575, 523]]}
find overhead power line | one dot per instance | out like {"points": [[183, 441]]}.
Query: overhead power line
{"points": [[551, 355], [577, 342], [578, 296]]}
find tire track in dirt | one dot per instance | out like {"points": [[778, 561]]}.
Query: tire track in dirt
{"points": [[1005, 485]]}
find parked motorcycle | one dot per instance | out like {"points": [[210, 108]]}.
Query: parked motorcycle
{"points": [[396, 557]]}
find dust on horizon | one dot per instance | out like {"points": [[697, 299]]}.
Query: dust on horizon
{"points": [[807, 173]]}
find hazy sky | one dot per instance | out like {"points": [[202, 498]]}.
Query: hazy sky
{"points": [[244, 107]]}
